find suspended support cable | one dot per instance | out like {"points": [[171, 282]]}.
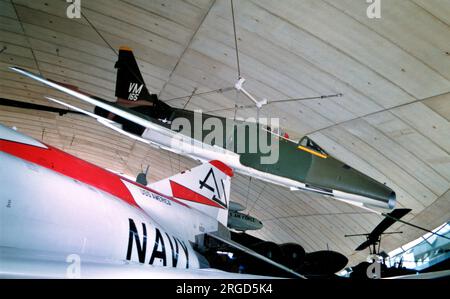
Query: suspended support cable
{"points": [[220, 90], [277, 102], [27, 38], [99, 34], [257, 198], [235, 41], [131, 70], [187, 102]]}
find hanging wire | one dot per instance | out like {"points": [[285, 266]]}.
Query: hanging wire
{"points": [[112, 48], [257, 198], [170, 160], [26, 37], [248, 191], [99, 34], [235, 41], [276, 102], [32, 53], [307, 98], [220, 90], [189, 99]]}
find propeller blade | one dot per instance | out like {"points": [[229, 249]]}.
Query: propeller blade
{"points": [[387, 222], [365, 244]]}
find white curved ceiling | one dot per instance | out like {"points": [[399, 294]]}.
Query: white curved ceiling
{"points": [[392, 122]]}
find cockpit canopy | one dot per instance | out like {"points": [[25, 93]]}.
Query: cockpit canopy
{"points": [[310, 146]]}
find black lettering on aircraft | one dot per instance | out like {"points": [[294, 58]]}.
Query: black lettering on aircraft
{"points": [[160, 254], [159, 249], [134, 91], [224, 193], [203, 184], [185, 251], [174, 252], [134, 235]]}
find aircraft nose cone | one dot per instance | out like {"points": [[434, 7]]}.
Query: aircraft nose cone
{"points": [[392, 200]]}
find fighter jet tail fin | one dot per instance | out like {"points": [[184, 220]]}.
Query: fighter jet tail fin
{"points": [[131, 90], [205, 188], [130, 84]]}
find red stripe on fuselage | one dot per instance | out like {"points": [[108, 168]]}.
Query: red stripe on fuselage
{"points": [[71, 166]]}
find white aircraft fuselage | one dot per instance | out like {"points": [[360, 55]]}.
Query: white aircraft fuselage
{"points": [[54, 203]]}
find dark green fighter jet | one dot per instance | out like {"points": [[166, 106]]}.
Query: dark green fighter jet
{"points": [[255, 149]]}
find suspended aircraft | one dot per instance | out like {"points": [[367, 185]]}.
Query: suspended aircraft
{"points": [[298, 165], [57, 210], [301, 165]]}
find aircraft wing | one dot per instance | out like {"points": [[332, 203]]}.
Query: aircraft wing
{"points": [[387, 222]]}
